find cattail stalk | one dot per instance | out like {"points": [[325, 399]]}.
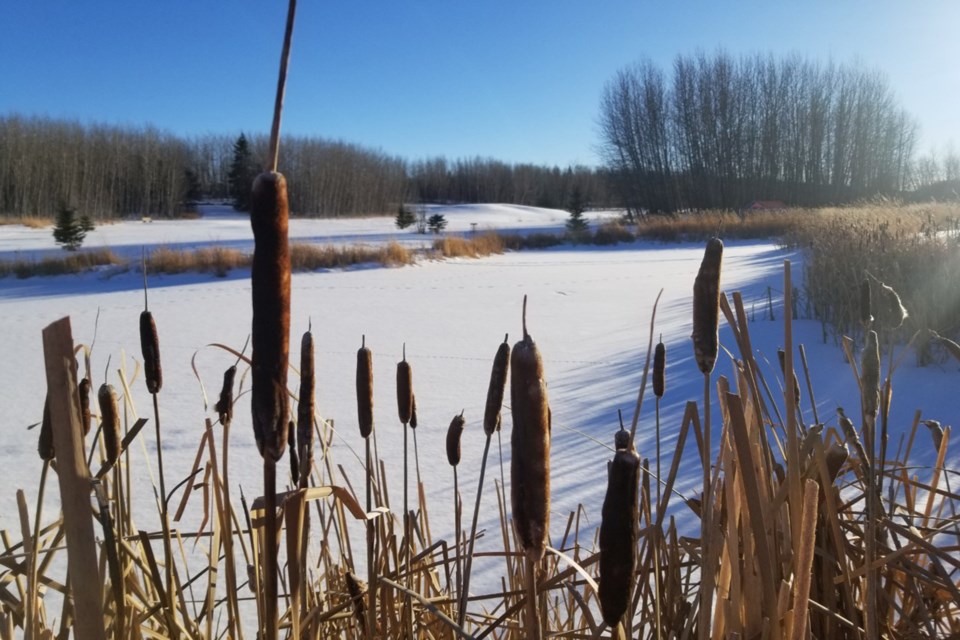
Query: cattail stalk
{"points": [[364, 387], [491, 424], [659, 387], [530, 460], [706, 342], [454, 431], [404, 411], [618, 531]]}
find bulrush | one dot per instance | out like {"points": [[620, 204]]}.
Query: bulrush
{"points": [[224, 406], [150, 349], [109, 421], [659, 367], [454, 431], [83, 390], [870, 374], [270, 277], [618, 530], [706, 307], [306, 407], [498, 384], [45, 442], [365, 389], [404, 389], [530, 446]]}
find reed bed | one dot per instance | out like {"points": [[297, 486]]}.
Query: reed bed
{"points": [[816, 530], [74, 262]]}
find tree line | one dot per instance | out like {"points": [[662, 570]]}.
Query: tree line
{"points": [[718, 131], [48, 165]]}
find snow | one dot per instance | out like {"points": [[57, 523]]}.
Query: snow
{"points": [[589, 312]]}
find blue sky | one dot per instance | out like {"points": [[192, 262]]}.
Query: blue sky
{"points": [[519, 81]]}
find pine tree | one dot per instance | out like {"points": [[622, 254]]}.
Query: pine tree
{"points": [[576, 205], [437, 223], [405, 217], [69, 232], [242, 173]]}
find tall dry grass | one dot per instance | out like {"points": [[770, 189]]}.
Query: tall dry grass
{"points": [[72, 262]]}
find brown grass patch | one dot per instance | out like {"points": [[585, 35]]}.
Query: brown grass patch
{"points": [[309, 257], [700, 226], [473, 247], [218, 260], [33, 222], [74, 262]]}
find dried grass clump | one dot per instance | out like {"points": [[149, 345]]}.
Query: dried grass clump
{"points": [[473, 247], [310, 257], [217, 260], [701, 225], [31, 222], [75, 262], [610, 233]]}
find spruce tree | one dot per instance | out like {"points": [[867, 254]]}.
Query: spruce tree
{"points": [[437, 223], [576, 205], [69, 232], [405, 217], [242, 173]]}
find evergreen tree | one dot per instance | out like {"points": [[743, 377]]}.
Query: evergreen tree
{"points": [[69, 232], [405, 217], [576, 205], [242, 173], [437, 223]]}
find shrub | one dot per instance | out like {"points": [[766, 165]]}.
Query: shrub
{"points": [[404, 218]]}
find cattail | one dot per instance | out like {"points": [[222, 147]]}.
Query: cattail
{"points": [[618, 531], [365, 390], [224, 406], [952, 347], [294, 458], [454, 432], [836, 455], [530, 447], [890, 312], [498, 383], [45, 443], [782, 357], [404, 389], [936, 433], [150, 348], [866, 304], [659, 366], [84, 392], [413, 413], [357, 589], [270, 277], [306, 405], [706, 307], [870, 374], [109, 421]]}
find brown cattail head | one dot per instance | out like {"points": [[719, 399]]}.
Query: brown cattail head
{"points": [[413, 412], [83, 390], [454, 431], [659, 367], [45, 442], [498, 383], [404, 389], [294, 458], [782, 357], [706, 307], [836, 455], [530, 447], [621, 439], [888, 309], [357, 590], [224, 405], [365, 390], [618, 531], [150, 348], [270, 276], [306, 405], [870, 374], [866, 303], [109, 421]]}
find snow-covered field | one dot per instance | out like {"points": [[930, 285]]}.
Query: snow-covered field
{"points": [[589, 312]]}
